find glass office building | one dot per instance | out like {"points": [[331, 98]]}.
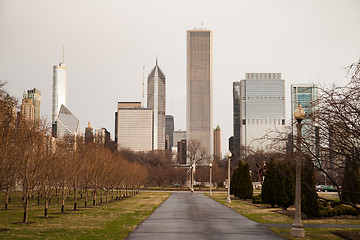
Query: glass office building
{"points": [[306, 95], [259, 108]]}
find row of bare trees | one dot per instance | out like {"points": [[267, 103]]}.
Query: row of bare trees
{"points": [[33, 162]]}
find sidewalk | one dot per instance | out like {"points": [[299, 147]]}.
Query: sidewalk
{"points": [[194, 216]]}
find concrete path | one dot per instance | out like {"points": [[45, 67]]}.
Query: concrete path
{"points": [[195, 216]]}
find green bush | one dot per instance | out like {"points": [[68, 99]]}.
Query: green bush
{"points": [[309, 197], [337, 211], [256, 199], [323, 213], [241, 184], [350, 191], [278, 187]]}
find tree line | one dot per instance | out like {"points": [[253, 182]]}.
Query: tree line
{"points": [[33, 162]]}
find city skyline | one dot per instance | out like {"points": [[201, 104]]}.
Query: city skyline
{"points": [[108, 46]]}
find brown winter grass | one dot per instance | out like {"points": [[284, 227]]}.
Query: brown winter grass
{"points": [[113, 220]]}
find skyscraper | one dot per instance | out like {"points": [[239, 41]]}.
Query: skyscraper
{"points": [[30, 107], [217, 143], [261, 108], [66, 123], [156, 100], [199, 92], [170, 130], [89, 134], [236, 120], [59, 89]]}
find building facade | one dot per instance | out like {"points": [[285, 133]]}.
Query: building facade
{"points": [[59, 92], [307, 96], [261, 108], [236, 120], [178, 136], [30, 107], [102, 136], [135, 127], [156, 100], [199, 88], [217, 143], [169, 130], [67, 124], [89, 134]]}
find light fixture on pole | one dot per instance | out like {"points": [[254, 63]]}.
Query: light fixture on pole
{"points": [[228, 200], [297, 229], [210, 165], [191, 179]]}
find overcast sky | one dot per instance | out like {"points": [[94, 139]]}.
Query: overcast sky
{"points": [[108, 42]]}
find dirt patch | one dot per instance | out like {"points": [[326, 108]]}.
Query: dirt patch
{"points": [[348, 235]]}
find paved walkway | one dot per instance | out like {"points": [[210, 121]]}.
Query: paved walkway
{"points": [[195, 216]]}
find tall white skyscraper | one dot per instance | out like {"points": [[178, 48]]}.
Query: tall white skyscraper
{"points": [[156, 100], [261, 106], [199, 88], [59, 89]]}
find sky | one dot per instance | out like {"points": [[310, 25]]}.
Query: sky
{"points": [[107, 43]]}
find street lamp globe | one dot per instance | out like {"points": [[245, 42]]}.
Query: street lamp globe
{"points": [[299, 113], [229, 154]]}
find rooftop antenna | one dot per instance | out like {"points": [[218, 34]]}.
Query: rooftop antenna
{"points": [[143, 88]]}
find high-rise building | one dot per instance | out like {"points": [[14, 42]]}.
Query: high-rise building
{"points": [[67, 124], [178, 136], [30, 107], [199, 88], [89, 134], [156, 100], [236, 120], [59, 91], [261, 109], [307, 96], [169, 130], [181, 152], [135, 127], [102, 136], [27, 111], [217, 143]]}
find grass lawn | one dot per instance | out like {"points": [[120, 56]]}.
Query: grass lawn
{"points": [[113, 220], [263, 214]]}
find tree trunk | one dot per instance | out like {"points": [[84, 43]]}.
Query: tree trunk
{"points": [[38, 199], [7, 197], [46, 207], [63, 200], [94, 199], [26, 207], [101, 196], [75, 198], [86, 197], [112, 194]]}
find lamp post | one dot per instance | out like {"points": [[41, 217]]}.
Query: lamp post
{"points": [[228, 192], [210, 165], [191, 179], [297, 229]]}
